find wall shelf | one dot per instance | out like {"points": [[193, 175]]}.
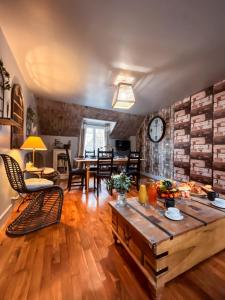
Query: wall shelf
{"points": [[9, 122]]}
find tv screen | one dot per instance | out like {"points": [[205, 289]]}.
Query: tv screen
{"points": [[122, 145]]}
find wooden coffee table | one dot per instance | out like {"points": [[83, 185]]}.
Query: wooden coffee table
{"points": [[162, 248]]}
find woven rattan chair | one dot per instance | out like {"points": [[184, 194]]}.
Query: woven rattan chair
{"points": [[45, 204], [26, 188], [43, 210]]}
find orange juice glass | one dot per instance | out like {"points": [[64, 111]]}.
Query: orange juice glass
{"points": [[152, 193], [142, 195]]}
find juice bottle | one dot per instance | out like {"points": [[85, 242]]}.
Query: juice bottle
{"points": [[152, 193], [142, 194]]}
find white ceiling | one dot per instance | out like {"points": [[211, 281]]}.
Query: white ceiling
{"points": [[71, 50]]}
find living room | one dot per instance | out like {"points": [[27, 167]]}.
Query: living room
{"points": [[112, 164]]}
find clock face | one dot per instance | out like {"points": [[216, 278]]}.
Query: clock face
{"points": [[156, 129]]}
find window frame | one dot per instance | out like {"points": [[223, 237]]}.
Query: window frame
{"points": [[94, 127]]}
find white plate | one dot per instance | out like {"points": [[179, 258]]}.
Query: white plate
{"points": [[174, 218], [218, 202]]}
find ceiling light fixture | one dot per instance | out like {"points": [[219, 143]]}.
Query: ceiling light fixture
{"points": [[124, 96]]}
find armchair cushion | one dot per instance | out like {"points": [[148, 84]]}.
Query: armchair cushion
{"points": [[34, 184]]}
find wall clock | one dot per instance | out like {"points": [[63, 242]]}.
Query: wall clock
{"points": [[156, 129]]}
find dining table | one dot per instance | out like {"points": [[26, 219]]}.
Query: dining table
{"points": [[93, 161]]}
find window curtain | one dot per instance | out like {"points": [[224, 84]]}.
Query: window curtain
{"points": [[82, 141], [107, 133]]}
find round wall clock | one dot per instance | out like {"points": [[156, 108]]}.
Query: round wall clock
{"points": [[156, 129]]}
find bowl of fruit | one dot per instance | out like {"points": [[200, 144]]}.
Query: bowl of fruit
{"points": [[167, 189]]}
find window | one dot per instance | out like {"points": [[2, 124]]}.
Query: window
{"points": [[94, 138]]}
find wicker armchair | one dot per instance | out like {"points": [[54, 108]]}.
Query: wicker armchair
{"points": [[43, 210], [45, 200], [27, 187]]}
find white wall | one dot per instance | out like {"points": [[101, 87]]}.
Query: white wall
{"points": [[133, 143], [5, 190], [49, 142]]}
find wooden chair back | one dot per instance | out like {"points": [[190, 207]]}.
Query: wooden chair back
{"points": [[105, 163], [89, 154], [67, 147], [134, 161]]}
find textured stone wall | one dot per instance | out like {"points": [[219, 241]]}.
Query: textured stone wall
{"points": [[219, 137], [158, 157], [194, 144], [64, 119]]}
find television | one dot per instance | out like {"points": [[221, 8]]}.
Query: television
{"points": [[122, 145]]}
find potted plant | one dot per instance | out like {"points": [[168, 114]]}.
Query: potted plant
{"points": [[121, 183]]}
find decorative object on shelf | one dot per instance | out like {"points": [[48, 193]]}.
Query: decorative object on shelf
{"points": [[121, 183], [33, 143], [156, 129], [31, 123], [17, 115], [58, 144], [4, 103], [4, 86], [124, 96], [60, 162]]}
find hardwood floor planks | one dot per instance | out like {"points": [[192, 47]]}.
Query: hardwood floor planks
{"points": [[77, 259]]}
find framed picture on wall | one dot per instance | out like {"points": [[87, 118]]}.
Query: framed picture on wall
{"points": [[17, 114], [31, 122]]}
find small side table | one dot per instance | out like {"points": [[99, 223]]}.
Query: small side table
{"points": [[47, 173]]}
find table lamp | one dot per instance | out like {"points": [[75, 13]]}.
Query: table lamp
{"points": [[33, 143]]}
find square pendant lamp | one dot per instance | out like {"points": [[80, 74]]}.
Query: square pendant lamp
{"points": [[124, 96]]}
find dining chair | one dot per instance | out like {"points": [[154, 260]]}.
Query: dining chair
{"points": [[46, 200], [133, 166], [104, 168], [91, 154], [74, 173]]}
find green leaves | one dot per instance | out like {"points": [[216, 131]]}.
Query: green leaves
{"points": [[120, 182]]}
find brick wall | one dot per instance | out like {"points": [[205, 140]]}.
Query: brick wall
{"points": [[194, 144], [63, 119], [219, 137], [181, 139]]}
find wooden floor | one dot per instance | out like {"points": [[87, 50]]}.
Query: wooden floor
{"points": [[78, 260]]}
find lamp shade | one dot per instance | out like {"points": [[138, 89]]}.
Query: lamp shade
{"points": [[33, 143], [124, 96]]}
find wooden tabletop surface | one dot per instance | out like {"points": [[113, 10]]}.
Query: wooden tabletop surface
{"points": [[115, 159], [156, 228]]}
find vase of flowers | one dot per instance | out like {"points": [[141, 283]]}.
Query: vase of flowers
{"points": [[121, 183]]}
